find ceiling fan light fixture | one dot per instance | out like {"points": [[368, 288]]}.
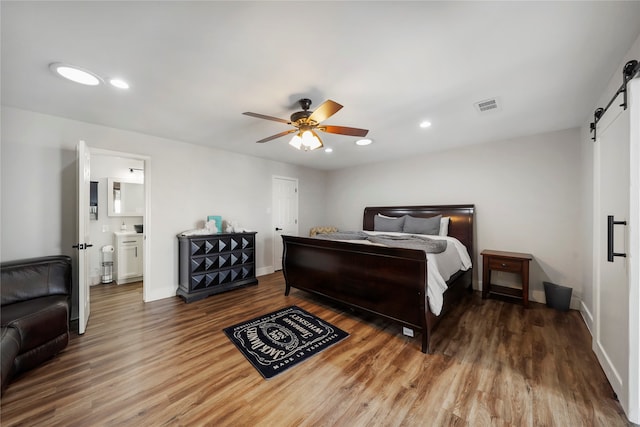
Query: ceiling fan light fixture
{"points": [[296, 142], [311, 140], [306, 140], [307, 122]]}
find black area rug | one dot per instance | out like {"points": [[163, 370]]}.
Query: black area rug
{"points": [[277, 341]]}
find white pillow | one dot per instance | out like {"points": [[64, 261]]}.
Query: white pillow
{"points": [[444, 226]]}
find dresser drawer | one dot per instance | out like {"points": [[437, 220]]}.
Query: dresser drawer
{"points": [[505, 264]]}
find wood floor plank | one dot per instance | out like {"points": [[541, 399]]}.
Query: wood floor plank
{"points": [[169, 363]]}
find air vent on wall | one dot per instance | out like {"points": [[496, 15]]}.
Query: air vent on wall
{"points": [[487, 105]]}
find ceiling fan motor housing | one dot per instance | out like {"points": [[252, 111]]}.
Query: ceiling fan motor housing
{"points": [[300, 115], [305, 103]]}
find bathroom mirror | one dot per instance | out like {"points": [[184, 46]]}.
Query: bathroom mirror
{"points": [[124, 198]]}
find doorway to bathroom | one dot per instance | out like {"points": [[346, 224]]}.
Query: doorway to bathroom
{"points": [[117, 218]]}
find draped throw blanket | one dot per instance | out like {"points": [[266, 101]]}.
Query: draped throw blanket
{"points": [[343, 235], [430, 246]]}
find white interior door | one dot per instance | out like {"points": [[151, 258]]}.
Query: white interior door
{"points": [[285, 214], [611, 343], [83, 242]]}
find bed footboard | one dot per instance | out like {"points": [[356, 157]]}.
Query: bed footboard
{"points": [[389, 282]]}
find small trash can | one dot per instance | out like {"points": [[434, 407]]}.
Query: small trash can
{"points": [[107, 264], [558, 297], [107, 272]]}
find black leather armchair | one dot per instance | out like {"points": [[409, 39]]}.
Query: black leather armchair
{"points": [[36, 303]]}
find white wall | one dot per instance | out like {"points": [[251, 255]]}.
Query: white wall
{"points": [[526, 194], [526, 191], [187, 182]]}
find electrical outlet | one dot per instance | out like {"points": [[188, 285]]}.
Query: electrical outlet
{"points": [[407, 331], [105, 228]]}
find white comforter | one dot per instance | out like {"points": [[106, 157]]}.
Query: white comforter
{"points": [[440, 267]]}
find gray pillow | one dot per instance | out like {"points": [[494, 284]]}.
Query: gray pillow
{"points": [[422, 225], [388, 224]]}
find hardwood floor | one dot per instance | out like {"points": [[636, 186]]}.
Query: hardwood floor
{"points": [[169, 363]]}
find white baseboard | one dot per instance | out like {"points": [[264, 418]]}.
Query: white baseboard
{"points": [[538, 296], [612, 374], [262, 271], [158, 294], [168, 292], [587, 317]]}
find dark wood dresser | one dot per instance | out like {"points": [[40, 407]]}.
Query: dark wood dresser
{"points": [[214, 263]]}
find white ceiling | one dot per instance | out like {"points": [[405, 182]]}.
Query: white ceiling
{"points": [[194, 67]]}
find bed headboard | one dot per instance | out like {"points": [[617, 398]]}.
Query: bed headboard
{"points": [[460, 223]]}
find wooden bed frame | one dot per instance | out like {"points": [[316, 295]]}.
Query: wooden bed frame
{"points": [[389, 282]]}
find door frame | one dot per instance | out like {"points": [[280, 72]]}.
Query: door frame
{"points": [[146, 241]]}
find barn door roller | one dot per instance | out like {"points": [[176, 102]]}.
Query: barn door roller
{"points": [[629, 71]]}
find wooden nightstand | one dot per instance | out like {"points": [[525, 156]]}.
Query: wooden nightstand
{"points": [[512, 262]]}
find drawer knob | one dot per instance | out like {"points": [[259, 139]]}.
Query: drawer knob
{"points": [[503, 264]]}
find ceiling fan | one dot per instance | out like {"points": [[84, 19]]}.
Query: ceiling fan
{"points": [[306, 124]]}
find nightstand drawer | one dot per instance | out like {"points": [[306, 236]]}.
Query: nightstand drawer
{"points": [[503, 264]]}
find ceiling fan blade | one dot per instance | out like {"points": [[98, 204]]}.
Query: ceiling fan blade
{"points": [[343, 130], [262, 116], [278, 135], [325, 110]]}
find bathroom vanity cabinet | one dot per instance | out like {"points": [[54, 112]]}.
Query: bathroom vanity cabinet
{"points": [[128, 257]]}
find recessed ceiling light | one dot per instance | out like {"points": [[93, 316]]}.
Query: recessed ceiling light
{"points": [[119, 83], [425, 124], [328, 150], [75, 74], [364, 141]]}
